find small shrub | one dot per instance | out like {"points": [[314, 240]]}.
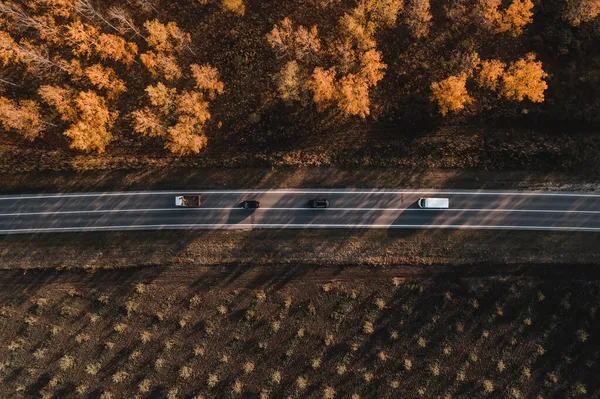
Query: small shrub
{"points": [[81, 390], [222, 309], [195, 301], [93, 368], [394, 335], [582, 335], [526, 372], [120, 376], [248, 367], [316, 363], [301, 383], [140, 288], [82, 337], [213, 380], [40, 353], [368, 328], [120, 328], [260, 296], [488, 386], [500, 366], [275, 326], [328, 393], [435, 370], [198, 350], [368, 376], [237, 387], [159, 364], [382, 356], [131, 307], [380, 303], [276, 377], [185, 372], [329, 340], [145, 336], [341, 369], [407, 364], [422, 342], [144, 386], [66, 362], [300, 332], [173, 393]]}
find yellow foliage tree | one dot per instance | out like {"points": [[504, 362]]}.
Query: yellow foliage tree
{"points": [[162, 64], [115, 48], [179, 119], [516, 16], [106, 79], [288, 82], [579, 11], [167, 41], [81, 37], [88, 114], [384, 12], [451, 93], [371, 67], [418, 18], [90, 132], [299, 43], [166, 38], [162, 97], [9, 49], [61, 99], [353, 97], [490, 74], [513, 19], [524, 78], [23, 118], [235, 6], [322, 85], [207, 78], [359, 28]]}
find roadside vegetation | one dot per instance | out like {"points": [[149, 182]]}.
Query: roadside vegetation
{"points": [[287, 82], [412, 338]]}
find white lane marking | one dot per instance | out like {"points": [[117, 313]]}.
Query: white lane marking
{"points": [[310, 226], [310, 191], [108, 211]]}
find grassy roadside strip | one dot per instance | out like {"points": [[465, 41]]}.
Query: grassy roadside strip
{"points": [[290, 177], [193, 249]]}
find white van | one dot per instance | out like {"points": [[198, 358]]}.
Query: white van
{"points": [[433, 203]]}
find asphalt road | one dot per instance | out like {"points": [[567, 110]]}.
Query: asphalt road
{"points": [[386, 209]]}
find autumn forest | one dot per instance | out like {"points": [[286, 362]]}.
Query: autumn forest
{"points": [[94, 75]]}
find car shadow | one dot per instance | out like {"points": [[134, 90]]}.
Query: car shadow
{"points": [[238, 215], [413, 215]]}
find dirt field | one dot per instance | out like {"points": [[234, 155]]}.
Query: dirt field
{"points": [[304, 331]]}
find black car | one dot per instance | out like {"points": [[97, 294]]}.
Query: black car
{"points": [[318, 203], [250, 204]]}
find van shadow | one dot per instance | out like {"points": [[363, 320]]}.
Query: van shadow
{"points": [[409, 221]]}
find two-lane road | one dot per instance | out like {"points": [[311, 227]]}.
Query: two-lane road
{"points": [[564, 211]]}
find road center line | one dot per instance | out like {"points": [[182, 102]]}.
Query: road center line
{"points": [[109, 211]]}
